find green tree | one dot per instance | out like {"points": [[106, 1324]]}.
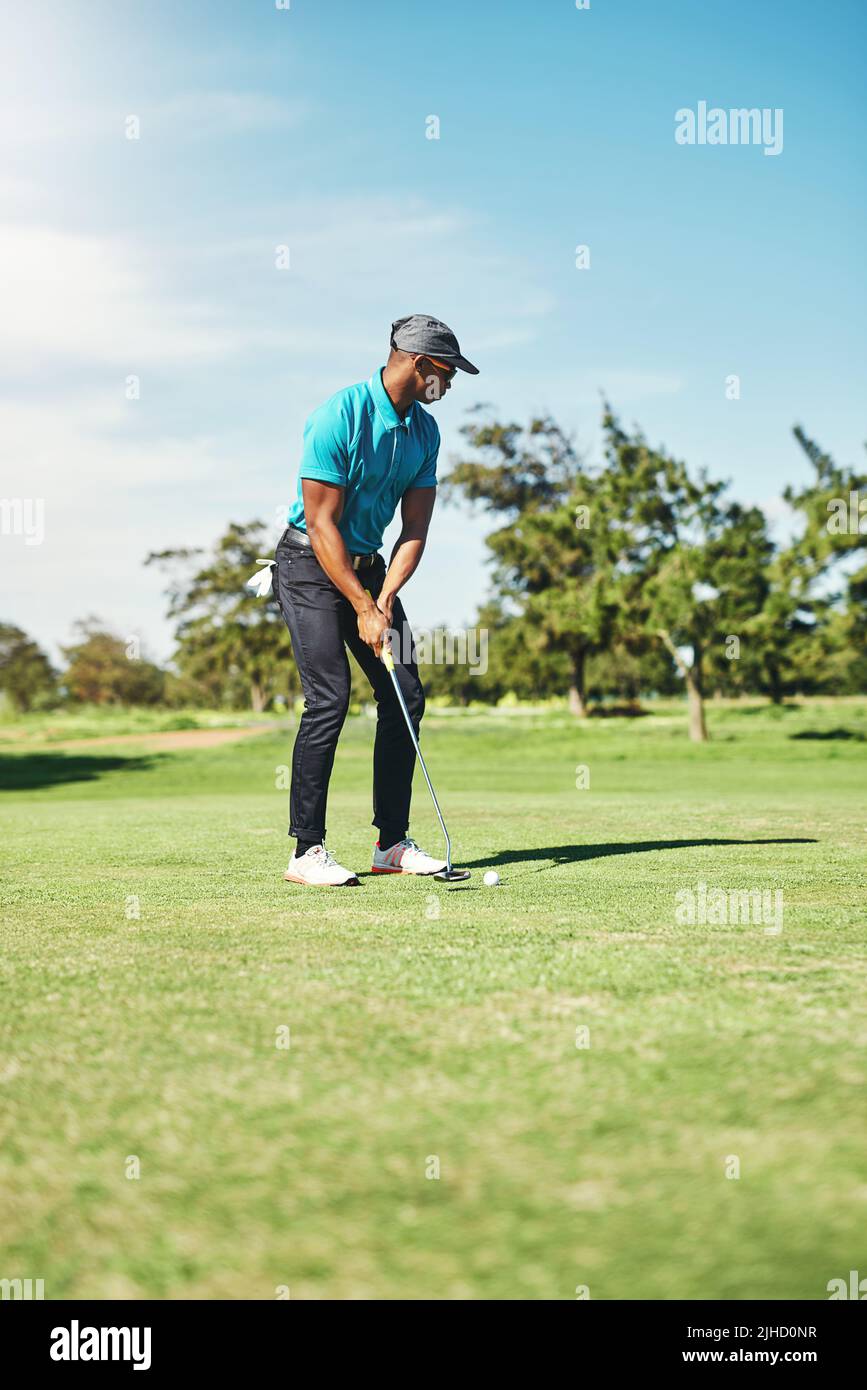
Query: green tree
{"points": [[103, 669], [27, 678], [833, 507], [693, 564], [588, 562], [850, 638], [551, 563], [512, 668], [800, 640], [626, 672], [229, 643]]}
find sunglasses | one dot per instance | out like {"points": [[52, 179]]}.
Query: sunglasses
{"points": [[444, 367]]}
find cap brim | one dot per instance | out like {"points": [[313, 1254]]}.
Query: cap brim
{"points": [[464, 365]]}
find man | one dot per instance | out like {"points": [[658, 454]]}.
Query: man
{"points": [[366, 449]]}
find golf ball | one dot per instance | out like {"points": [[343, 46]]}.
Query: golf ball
{"points": [[492, 878]]}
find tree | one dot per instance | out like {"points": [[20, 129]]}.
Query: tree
{"points": [[800, 637], [27, 678], [848, 635], [801, 626], [693, 564], [498, 641], [101, 669], [551, 569], [589, 562], [833, 505], [627, 672], [229, 643]]}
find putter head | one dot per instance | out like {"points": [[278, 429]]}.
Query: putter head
{"points": [[452, 875]]}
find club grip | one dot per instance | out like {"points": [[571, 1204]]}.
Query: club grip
{"points": [[387, 659]]}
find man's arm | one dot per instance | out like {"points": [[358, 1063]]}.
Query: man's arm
{"points": [[416, 509], [323, 505]]}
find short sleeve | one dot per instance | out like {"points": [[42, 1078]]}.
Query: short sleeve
{"points": [[427, 474], [326, 451]]}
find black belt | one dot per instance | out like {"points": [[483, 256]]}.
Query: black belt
{"points": [[298, 537]]}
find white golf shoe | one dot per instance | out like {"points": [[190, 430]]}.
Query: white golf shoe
{"points": [[404, 858], [319, 869]]}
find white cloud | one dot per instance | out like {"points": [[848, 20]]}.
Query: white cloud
{"points": [[89, 298], [68, 447], [110, 497], [109, 300]]}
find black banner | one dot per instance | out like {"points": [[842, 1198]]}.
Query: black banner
{"points": [[149, 1338]]}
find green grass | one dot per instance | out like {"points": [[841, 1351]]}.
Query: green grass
{"points": [[427, 1021], [107, 721]]}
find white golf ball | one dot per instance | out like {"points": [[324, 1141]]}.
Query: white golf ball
{"points": [[492, 878]]}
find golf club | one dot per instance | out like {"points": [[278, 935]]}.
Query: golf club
{"points": [[448, 874]]}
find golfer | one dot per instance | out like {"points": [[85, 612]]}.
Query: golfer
{"points": [[368, 448]]}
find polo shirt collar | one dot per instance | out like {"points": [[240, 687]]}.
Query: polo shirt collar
{"points": [[381, 399]]}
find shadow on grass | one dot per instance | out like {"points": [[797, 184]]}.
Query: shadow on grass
{"points": [[617, 712], [770, 708], [29, 771], [830, 733], [571, 854]]}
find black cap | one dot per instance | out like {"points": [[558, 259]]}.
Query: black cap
{"points": [[421, 333]]}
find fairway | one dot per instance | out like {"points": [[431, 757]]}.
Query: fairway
{"points": [[407, 1090]]}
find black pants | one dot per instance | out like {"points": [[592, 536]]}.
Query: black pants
{"points": [[322, 624]]}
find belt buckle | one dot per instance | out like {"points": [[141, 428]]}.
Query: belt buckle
{"points": [[356, 561]]}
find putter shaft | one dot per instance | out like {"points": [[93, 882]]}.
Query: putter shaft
{"points": [[388, 662]]}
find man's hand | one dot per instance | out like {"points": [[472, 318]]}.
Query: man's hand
{"points": [[372, 626], [385, 604]]}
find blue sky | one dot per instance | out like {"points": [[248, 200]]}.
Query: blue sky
{"points": [[306, 127]]}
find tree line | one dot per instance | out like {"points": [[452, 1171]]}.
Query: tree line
{"points": [[630, 577], [639, 576]]}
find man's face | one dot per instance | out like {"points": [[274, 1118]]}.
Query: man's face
{"points": [[434, 379]]}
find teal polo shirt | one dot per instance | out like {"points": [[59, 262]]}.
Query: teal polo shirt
{"points": [[357, 439]]}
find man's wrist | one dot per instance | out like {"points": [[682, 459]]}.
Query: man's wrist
{"points": [[364, 603]]}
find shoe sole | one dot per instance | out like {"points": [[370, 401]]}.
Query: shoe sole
{"points": [[305, 882], [408, 873]]}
